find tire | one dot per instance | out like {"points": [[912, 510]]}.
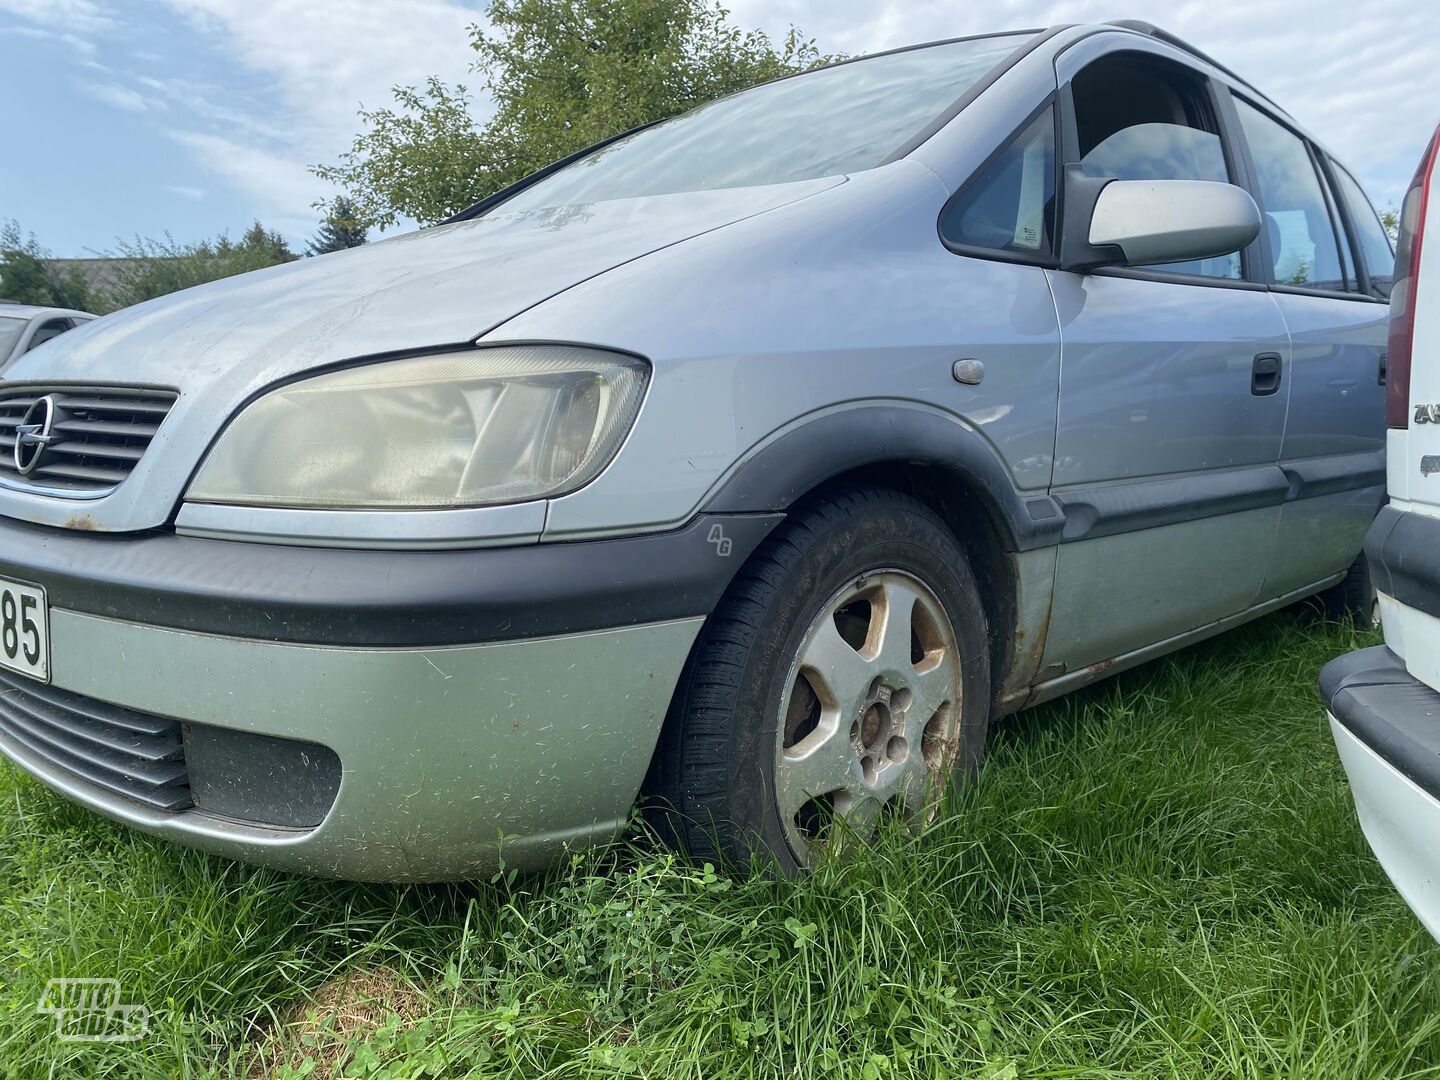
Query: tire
{"points": [[1355, 597], [726, 763]]}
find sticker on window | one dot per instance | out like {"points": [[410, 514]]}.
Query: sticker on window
{"points": [[1030, 214]]}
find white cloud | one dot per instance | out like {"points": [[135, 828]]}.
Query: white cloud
{"points": [[69, 16], [85, 47], [322, 60], [113, 94], [327, 57], [194, 194], [281, 188]]}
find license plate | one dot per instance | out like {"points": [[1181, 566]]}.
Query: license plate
{"points": [[24, 630]]}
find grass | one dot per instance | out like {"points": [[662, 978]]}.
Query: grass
{"points": [[1161, 876]]}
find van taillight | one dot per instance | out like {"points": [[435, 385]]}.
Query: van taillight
{"points": [[1402, 296]]}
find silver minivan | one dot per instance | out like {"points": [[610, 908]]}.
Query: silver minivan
{"points": [[749, 463]]}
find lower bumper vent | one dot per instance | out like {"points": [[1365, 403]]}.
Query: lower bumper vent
{"points": [[168, 765], [131, 754]]}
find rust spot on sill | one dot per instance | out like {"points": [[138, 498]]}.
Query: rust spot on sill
{"points": [[1054, 671], [82, 523]]}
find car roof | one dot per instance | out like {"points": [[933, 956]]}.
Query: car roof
{"points": [[32, 311]]}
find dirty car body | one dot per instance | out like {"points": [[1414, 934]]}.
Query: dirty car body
{"points": [[285, 620]]}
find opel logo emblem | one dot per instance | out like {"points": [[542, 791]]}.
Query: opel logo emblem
{"points": [[34, 434]]}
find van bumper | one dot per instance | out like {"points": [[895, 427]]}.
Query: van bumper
{"points": [[1386, 726]]}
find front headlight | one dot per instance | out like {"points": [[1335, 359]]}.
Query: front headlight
{"points": [[475, 427]]}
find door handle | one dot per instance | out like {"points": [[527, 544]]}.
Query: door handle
{"points": [[1265, 374]]}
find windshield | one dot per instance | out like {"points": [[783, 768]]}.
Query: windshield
{"points": [[10, 330], [836, 120]]}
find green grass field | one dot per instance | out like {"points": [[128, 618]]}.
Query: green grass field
{"points": [[1161, 876]]}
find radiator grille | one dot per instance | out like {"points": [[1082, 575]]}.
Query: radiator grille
{"points": [[98, 435], [141, 757]]}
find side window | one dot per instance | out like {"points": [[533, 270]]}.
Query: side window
{"points": [[1137, 118], [1374, 242], [1297, 219], [51, 329], [1009, 206]]}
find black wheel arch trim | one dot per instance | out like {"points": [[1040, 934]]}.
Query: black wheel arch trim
{"points": [[819, 450]]}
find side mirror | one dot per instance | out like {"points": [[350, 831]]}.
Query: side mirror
{"points": [[1142, 222]]}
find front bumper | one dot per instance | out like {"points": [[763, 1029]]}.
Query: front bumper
{"points": [[1386, 725], [478, 701]]}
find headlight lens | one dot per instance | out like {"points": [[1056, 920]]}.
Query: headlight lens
{"points": [[473, 428]]}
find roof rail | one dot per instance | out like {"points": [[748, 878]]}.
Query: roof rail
{"points": [[1140, 26]]}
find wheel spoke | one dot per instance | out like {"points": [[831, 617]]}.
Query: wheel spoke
{"points": [[842, 675], [860, 811], [917, 789], [929, 689], [890, 637], [825, 762]]}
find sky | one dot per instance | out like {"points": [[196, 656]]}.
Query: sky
{"points": [[121, 118]]}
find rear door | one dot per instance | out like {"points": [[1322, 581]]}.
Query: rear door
{"points": [[1333, 449]]}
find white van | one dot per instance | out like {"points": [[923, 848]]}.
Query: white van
{"points": [[1385, 702]]}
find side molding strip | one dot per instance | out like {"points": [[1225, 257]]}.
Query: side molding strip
{"points": [[809, 455]]}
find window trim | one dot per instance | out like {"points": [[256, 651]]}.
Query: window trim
{"points": [[1256, 260], [1332, 169], [989, 79], [1068, 149], [1316, 157], [1047, 259], [1343, 237]]}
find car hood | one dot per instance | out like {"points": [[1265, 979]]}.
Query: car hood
{"points": [[221, 343]]}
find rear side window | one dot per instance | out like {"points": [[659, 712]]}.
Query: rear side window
{"points": [[1374, 242], [1010, 205], [1297, 219]]}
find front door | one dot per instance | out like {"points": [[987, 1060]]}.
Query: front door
{"points": [[1173, 394]]}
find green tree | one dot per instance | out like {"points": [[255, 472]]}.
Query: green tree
{"points": [[26, 278], [1390, 220], [147, 268], [340, 229], [563, 74]]}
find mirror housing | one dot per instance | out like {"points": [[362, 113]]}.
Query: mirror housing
{"points": [[1142, 222]]}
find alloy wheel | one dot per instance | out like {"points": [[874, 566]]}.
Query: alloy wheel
{"points": [[871, 715]]}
